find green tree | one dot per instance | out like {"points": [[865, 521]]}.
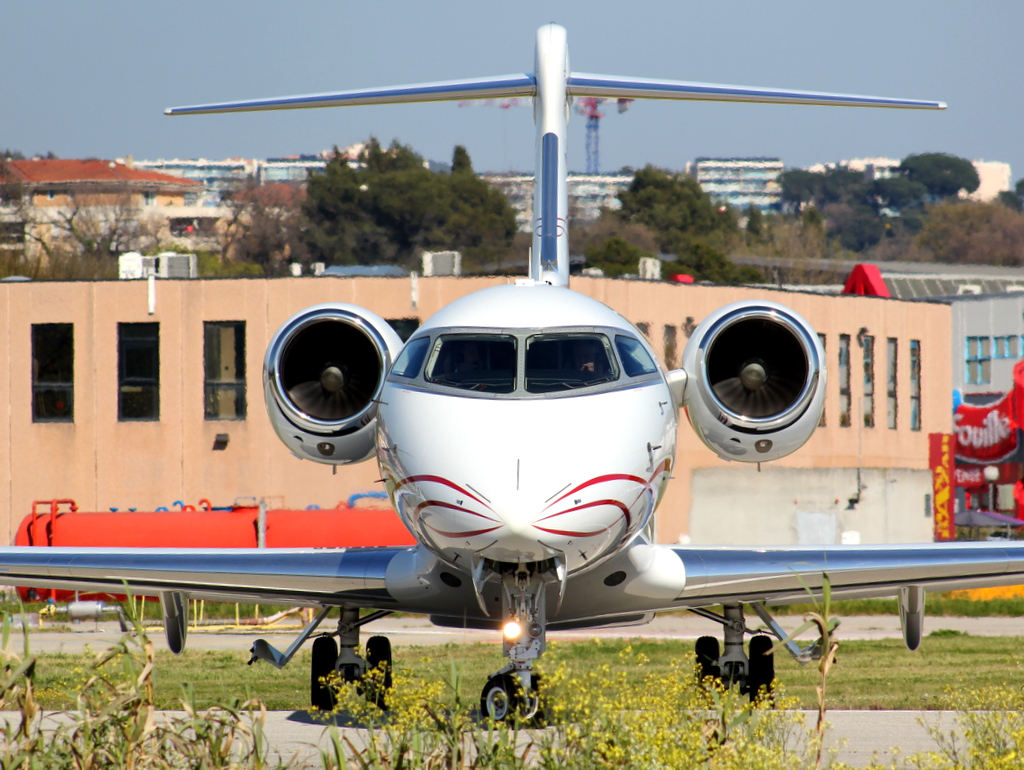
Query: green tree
{"points": [[943, 175], [390, 207], [965, 232], [706, 263], [755, 222], [615, 257], [675, 207]]}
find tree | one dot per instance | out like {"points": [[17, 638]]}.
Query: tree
{"points": [[675, 207], [755, 222], [265, 228], [943, 175], [391, 207], [615, 257], [706, 263], [965, 232]]}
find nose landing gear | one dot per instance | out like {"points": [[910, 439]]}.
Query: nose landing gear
{"points": [[515, 689]]}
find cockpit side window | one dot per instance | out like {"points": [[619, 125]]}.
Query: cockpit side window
{"points": [[558, 362], [410, 360], [479, 362], [635, 360]]}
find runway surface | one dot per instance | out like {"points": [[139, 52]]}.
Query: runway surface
{"points": [[858, 735], [415, 630]]}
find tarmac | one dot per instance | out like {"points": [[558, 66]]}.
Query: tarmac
{"points": [[857, 736]]}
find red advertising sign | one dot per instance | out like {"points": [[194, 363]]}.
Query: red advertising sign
{"points": [[940, 459], [986, 434]]}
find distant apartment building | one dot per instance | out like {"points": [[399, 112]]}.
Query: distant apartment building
{"points": [[740, 182], [220, 178], [588, 194], [44, 202], [871, 168], [994, 176]]}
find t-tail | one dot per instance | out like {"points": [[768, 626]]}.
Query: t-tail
{"points": [[553, 86]]}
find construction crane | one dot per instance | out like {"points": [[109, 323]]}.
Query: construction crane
{"points": [[588, 107]]}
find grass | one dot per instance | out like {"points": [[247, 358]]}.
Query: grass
{"points": [[869, 674]]}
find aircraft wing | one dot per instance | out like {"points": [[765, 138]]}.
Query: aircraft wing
{"points": [[322, 576], [451, 90], [614, 87], [784, 575]]}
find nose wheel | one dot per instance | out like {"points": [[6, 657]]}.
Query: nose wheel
{"points": [[504, 697]]}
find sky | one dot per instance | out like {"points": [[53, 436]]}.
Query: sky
{"points": [[92, 79]]}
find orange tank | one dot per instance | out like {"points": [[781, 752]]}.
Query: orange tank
{"points": [[59, 523]]}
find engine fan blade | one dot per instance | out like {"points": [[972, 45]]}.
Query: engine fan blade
{"points": [[327, 403], [772, 398]]}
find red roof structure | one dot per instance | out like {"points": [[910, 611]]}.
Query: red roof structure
{"points": [[866, 279], [44, 172]]}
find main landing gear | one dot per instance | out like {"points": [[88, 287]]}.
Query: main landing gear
{"points": [[341, 658], [752, 671]]}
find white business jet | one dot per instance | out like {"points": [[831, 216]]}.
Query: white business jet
{"points": [[525, 435]]}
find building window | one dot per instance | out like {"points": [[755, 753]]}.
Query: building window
{"points": [[148, 198], [138, 366], [53, 373], [404, 327], [821, 420], [1006, 347], [224, 382], [915, 385], [979, 360], [645, 328], [868, 345], [890, 383], [12, 233], [670, 347], [844, 381]]}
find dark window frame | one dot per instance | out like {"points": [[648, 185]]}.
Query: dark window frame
{"points": [[845, 395], [212, 386], [132, 339], [63, 385], [868, 350], [892, 350], [915, 385]]}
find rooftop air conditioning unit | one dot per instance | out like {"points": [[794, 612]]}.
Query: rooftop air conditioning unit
{"points": [[174, 265], [132, 266], [442, 263]]}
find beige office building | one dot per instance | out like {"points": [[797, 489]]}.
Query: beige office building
{"points": [[162, 400]]}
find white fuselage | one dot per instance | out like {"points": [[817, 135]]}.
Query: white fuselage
{"points": [[523, 477]]}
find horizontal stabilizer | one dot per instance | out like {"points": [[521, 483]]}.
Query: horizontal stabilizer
{"points": [[610, 86], [478, 88]]}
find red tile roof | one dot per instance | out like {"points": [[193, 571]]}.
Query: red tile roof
{"points": [[41, 172]]}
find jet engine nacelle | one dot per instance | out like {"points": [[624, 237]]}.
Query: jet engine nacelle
{"points": [[755, 383], [322, 376]]}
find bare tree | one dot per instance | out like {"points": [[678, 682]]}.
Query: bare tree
{"points": [[265, 227]]}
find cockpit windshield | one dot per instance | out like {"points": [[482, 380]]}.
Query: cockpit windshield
{"points": [[568, 361], [524, 363], [479, 362]]}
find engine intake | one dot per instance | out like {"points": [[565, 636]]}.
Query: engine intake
{"points": [[323, 373], [756, 376]]}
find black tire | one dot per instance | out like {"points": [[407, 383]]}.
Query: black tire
{"points": [[498, 700], [708, 651], [762, 666], [325, 655], [378, 656]]}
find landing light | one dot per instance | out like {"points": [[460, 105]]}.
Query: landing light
{"points": [[512, 630]]}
